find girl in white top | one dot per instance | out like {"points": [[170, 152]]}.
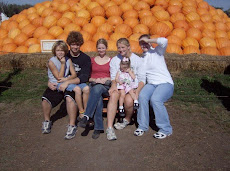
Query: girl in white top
{"points": [[158, 89]]}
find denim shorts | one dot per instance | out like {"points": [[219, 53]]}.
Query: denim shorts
{"points": [[72, 86]]}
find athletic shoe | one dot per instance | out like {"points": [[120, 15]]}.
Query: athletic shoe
{"points": [[111, 134], [121, 112], [83, 122], [71, 132], [96, 134], [121, 125], [46, 127]]}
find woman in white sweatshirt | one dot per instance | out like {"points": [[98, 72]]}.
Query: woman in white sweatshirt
{"points": [[158, 89]]}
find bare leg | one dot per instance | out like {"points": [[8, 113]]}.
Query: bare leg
{"points": [[133, 95], [78, 98], [71, 110], [128, 107], [46, 107], [85, 96], [112, 108], [122, 97]]}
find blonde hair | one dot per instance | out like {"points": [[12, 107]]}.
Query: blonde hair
{"points": [[102, 41], [62, 45], [123, 41]]}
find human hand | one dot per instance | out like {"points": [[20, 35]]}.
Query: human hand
{"points": [[62, 60], [52, 86], [63, 86], [62, 79]]}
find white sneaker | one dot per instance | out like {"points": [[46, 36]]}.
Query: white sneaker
{"points": [[71, 132], [122, 125], [111, 134], [46, 127]]}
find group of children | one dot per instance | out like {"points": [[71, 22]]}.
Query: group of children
{"points": [[60, 69]]}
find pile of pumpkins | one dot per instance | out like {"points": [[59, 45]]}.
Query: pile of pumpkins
{"points": [[191, 26]]}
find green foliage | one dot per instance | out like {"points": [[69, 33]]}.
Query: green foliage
{"points": [[12, 9]]}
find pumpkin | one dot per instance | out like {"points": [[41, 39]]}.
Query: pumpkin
{"points": [[62, 22], [40, 31], [135, 47], [135, 36], [208, 33], [11, 25], [21, 17], [86, 36], [112, 46], [115, 20], [225, 51], [175, 3], [189, 3], [46, 12], [81, 21], [98, 20], [132, 22], [222, 42], [209, 25], [63, 7], [97, 11], [207, 41], [109, 4], [106, 27], [113, 11], [132, 2], [156, 8], [71, 27], [220, 33], [181, 24], [102, 2], [124, 28], [83, 13], [163, 4], [174, 48], [144, 13], [191, 49], [46, 36], [174, 39], [221, 26], [187, 9], [197, 24], [77, 7], [176, 17], [37, 21], [179, 32], [70, 15], [209, 51], [14, 32], [35, 48], [148, 21], [141, 5], [29, 29], [49, 21], [125, 7], [7, 40], [31, 41], [55, 31], [89, 46], [206, 18], [115, 36], [99, 35], [21, 49], [161, 15], [20, 39], [62, 36], [161, 29], [130, 13], [172, 9], [192, 16], [3, 33], [92, 5], [118, 2], [190, 41], [195, 33], [24, 23], [90, 28], [9, 47], [141, 28]]}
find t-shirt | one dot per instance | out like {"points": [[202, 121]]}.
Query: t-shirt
{"points": [[82, 66], [57, 63], [99, 71]]}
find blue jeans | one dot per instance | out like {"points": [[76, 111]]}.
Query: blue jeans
{"points": [[157, 95], [95, 104]]}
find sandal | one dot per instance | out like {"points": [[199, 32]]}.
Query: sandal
{"points": [[136, 106], [160, 135], [139, 132]]}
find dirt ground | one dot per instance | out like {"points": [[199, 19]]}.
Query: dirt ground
{"points": [[198, 143]]}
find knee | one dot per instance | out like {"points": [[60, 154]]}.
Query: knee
{"points": [[69, 100], [86, 90], [77, 90], [128, 102], [114, 97]]}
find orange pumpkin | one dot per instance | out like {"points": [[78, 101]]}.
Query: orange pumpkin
{"points": [[125, 7], [35, 48], [174, 39], [172, 9], [99, 35], [141, 28], [71, 27], [181, 24], [31, 41], [112, 45], [163, 4], [135, 36], [161, 29], [115, 20], [14, 32], [195, 33], [9, 47], [161, 15], [20, 39], [81, 21], [174, 48], [124, 28], [141, 5], [49, 21], [208, 33], [98, 20], [191, 49], [222, 42], [97, 11], [190, 41], [179, 32], [207, 41], [55, 31], [113, 11], [3, 33], [197, 24], [37, 21], [132, 22], [130, 13], [62, 36], [90, 28], [148, 21], [115, 36], [209, 51], [106, 27], [89, 46], [29, 29], [21, 49], [135, 47], [46, 36], [40, 31], [176, 17], [225, 51], [86, 36]]}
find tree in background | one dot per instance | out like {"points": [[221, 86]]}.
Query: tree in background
{"points": [[12, 9]]}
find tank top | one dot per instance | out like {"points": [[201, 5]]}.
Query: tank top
{"points": [[99, 71]]}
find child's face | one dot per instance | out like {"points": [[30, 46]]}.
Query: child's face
{"points": [[60, 53], [124, 68]]}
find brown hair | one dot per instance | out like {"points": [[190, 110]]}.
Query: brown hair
{"points": [[125, 63], [75, 37], [102, 41], [62, 44], [144, 35]]}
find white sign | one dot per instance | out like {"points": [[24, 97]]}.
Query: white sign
{"points": [[46, 45]]}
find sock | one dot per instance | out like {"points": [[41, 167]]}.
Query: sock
{"points": [[121, 107], [135, 101]]}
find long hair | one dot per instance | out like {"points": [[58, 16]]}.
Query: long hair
{"points": [[62, 45]]}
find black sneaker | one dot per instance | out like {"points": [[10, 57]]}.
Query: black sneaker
{"points": [[96, 134], [121, 112], [83, 122]]}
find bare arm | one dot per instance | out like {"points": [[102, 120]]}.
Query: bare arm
{"points": [[54, 70], [131, 73], [117, 78]]}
